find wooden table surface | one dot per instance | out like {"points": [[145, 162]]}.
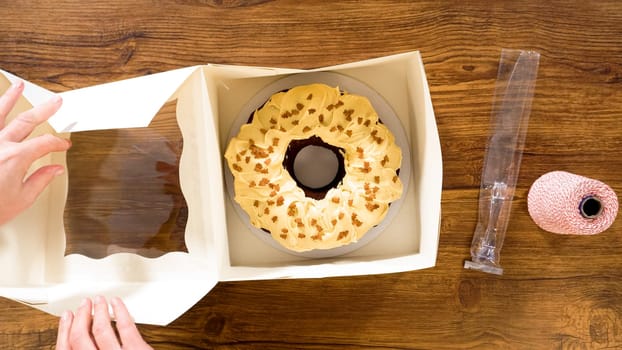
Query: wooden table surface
{"points": [[557, 292]]}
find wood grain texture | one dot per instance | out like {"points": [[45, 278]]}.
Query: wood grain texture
{"points": [[557, 292]]}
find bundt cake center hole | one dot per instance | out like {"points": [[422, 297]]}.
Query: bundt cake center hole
{"points": [[315, 166]]}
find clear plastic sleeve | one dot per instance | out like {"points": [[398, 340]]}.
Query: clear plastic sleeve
{"points": [[514, 89]]}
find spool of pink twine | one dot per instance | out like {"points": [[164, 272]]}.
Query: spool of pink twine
{"points": [[566, 203]]}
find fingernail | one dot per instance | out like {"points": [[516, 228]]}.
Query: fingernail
{"points": [[99, 299], [116, 301], [66, 315], [56, 99], [84, 302], [58, 172], [18, 84]]}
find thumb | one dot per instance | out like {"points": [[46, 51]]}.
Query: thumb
{"points": [[38, 181]]}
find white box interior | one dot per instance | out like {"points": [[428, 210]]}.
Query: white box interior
{"points": [[401, 81]]}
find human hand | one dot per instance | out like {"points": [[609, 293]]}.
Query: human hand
{"points": [[17, 154], [91, 329]]}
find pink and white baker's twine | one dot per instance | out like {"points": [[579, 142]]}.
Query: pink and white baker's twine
{"points": [[566, 203]]}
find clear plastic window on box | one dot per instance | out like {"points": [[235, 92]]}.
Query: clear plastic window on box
{"points": [[124, 190]]}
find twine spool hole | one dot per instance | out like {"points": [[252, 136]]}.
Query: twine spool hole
{"points": [[590, 207]]}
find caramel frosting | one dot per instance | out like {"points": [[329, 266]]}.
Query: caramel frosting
{"points": [[271, 197]]}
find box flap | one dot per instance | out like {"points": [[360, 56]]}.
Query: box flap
{"points": [[145, 301], [35, 94], [20, 266], [155, 294], [128, 103]]}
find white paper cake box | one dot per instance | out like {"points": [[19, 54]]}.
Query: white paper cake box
{"points": [[35, 270]]}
